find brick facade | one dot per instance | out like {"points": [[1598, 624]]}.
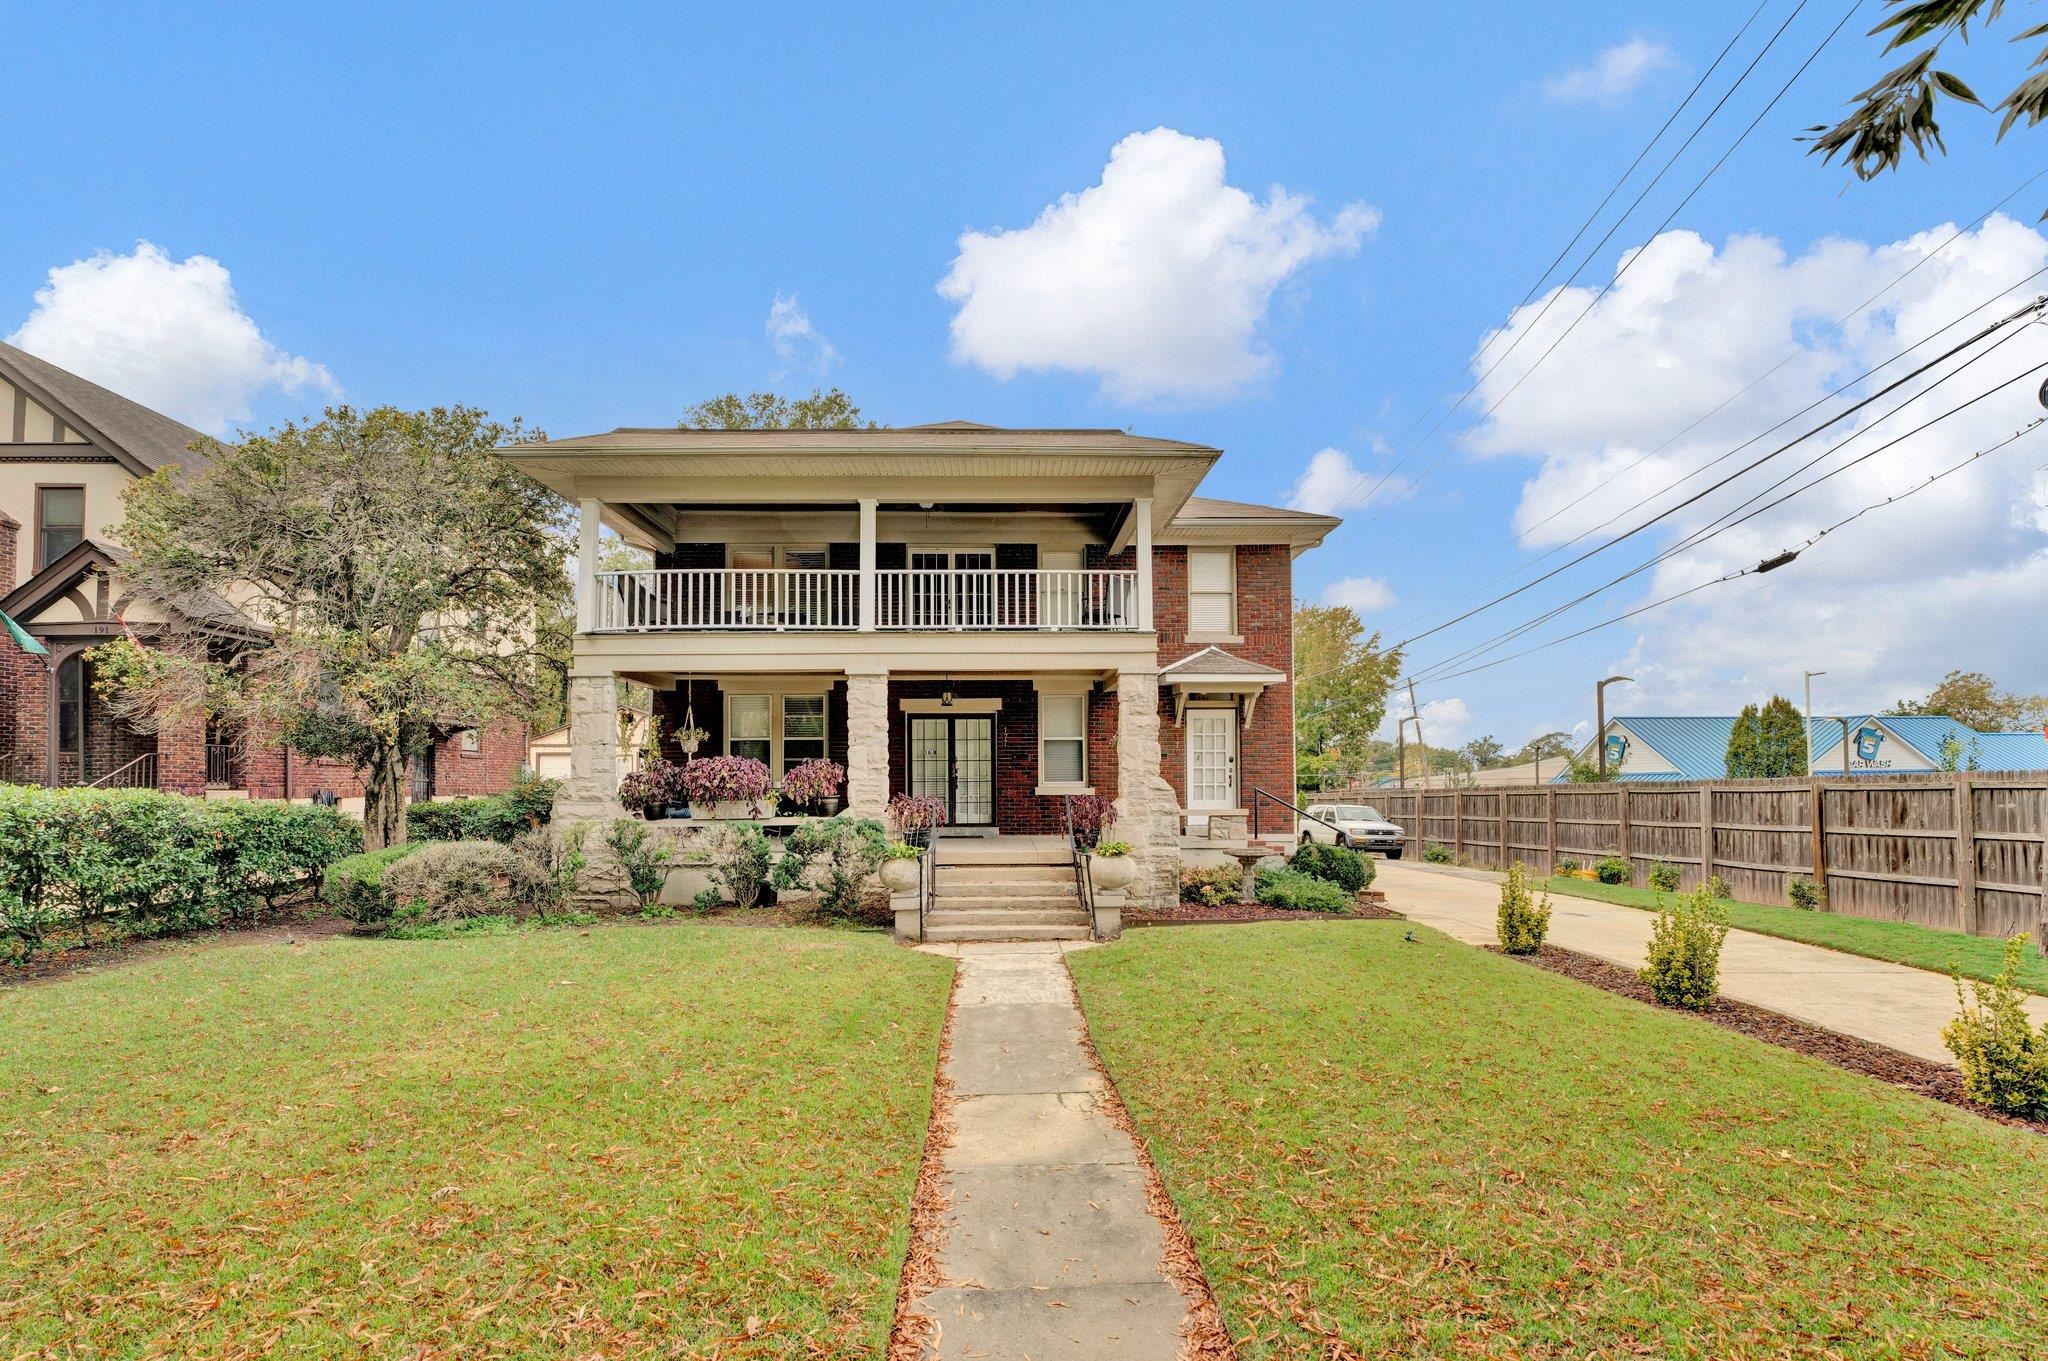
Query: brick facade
{"points": [[501, 752]]}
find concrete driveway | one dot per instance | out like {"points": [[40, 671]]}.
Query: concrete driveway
{"points": [[1889, 1004]]}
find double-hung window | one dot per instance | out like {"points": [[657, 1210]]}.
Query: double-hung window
{"points": [[779, 731], [1212, 592], [1063, 739], [60, 522], [803, 729], [750, 730]]}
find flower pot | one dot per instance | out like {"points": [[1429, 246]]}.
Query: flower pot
{"points": [[723, 808], [1111, 872], [900, 876], [830, 805]]}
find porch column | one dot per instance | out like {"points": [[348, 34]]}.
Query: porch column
{"points": [[1147, 813], [867, 565], [592, 791], [867, 744], [1141, 509], [586, 567]]}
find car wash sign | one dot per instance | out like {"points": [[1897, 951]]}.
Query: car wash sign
{"points": [[1870, 754]]}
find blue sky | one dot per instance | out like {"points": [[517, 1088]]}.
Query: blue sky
{"points": [[584, 217]]}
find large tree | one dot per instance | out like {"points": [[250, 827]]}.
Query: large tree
{"points": [[1550, 746], [1971, 698], [829, 409], [397, 567], [1485, 753], [1767, 743], [1900, 111], [1341, 681]]}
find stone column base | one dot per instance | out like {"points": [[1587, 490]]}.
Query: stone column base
{"points": [[1109, 914], [905, 907]]}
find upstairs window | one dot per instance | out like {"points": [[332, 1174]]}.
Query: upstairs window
{"points": [[60, 522], [1212, 592]]}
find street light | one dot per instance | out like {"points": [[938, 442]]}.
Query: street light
{"points": [[1600, 718], [1809, 718]]}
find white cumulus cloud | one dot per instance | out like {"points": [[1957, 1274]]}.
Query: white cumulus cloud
{"points": [[1333, 478], [1158, 279], [1698, 349], [798, 344], [1612, 76], [1446, 722], [167, 333], [1363, 594]]}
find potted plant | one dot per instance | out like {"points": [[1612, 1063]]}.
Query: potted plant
{"points": [[900, 867], [1091, 815], [1110, 866], [814, 785], [726, 787], [916, 816], [688, 738], [653, 791]]}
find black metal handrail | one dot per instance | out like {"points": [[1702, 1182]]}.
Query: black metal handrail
{"points": [[1084, 887], [1258, 793]]}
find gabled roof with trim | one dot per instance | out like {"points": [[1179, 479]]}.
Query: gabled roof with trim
{"points": [[141, 439], [1213, 663], [96, 556]]}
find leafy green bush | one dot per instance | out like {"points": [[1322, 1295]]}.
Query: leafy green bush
{"points": [[269, 850], [1664, 878], [529, 803], [556, 857], [834, 858], [1683, 966], [1717, 886], [2003, 1057], [1567, 866], [355, 885], [646, 866], [739, 857], [1298, 892], [1437, 855], [1521, 921], [1804, 892], [447, 881], [706, 900], [1340, 865], [1615, 869], [1211, 887]]}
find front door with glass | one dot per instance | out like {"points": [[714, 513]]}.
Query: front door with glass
{"points": [[952, 759], [1212, 759]]}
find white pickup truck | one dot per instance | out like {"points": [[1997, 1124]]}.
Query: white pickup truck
{"points": [[1357, 826]]}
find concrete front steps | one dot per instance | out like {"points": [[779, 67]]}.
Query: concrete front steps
{"points": [[986, 890]]}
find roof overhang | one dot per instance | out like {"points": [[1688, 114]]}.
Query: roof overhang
{"points": [[1299, 531], [1214, 672]]}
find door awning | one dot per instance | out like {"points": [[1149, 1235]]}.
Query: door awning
{"points": [[1214, 672]]}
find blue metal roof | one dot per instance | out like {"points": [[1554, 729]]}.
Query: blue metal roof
{"points": [[1698, 744]]}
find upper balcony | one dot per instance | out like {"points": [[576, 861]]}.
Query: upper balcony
{"points": [[949, 599]]}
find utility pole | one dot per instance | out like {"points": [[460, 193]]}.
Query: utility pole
{"points": [[1415, 712], [1809, 720], [1401, 753], [1600, 719]]}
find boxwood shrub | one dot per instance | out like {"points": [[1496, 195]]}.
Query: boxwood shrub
{"points": [[529, 803], [1340, 865], [355, 886], [1298, 892]]}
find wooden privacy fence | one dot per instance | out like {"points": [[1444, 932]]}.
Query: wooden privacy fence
{"points": [[1961, 851]]}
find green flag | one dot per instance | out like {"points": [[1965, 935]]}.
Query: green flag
{"points": [[21, 638]]}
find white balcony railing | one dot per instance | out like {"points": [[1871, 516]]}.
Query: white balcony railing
{"points": [[780, 599]]}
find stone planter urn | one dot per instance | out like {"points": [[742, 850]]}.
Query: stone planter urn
{"points": [[900, 876], [1111, 873]]}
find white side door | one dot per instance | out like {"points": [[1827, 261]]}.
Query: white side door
{"points": [[1212, 759]]}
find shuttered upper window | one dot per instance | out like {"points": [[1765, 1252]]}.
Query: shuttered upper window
{"points": [[1212, 591]]}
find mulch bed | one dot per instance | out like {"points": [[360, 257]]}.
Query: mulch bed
{"points": [[1927, 1078], [292, 924], [1371, 906]]}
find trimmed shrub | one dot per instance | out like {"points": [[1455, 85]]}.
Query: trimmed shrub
{"points": [[1340, 865], [1614, 869], [447, 881], [270, 850], [2003, 1057], [833, 858], [529, 803], [1298, 892], [646, 866], [1521, 922], [1437, 855], [1664, 878], [1211, 887], [1683, 966], [355, 885], [1804, 893], [739, 857]]}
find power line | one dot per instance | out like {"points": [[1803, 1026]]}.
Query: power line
{"points": [[1748, 571], [1717, 528], [1629, 263]]}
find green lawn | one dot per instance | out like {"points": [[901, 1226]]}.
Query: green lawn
{"points": [[636, 1141], [1424, 1150], [1923, 947]]}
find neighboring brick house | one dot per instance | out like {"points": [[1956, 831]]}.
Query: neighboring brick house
{"points": [[998, 618], [67, 450]]}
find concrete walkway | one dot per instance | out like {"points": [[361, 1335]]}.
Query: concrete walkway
{"points": [[1049, 1251], [1890, 1004]]}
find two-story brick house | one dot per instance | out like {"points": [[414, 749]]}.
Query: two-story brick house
{"points": [[68, 448], [997, 618]]}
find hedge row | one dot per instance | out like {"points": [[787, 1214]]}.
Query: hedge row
{"points": [[493, 817], [152, 863]]}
